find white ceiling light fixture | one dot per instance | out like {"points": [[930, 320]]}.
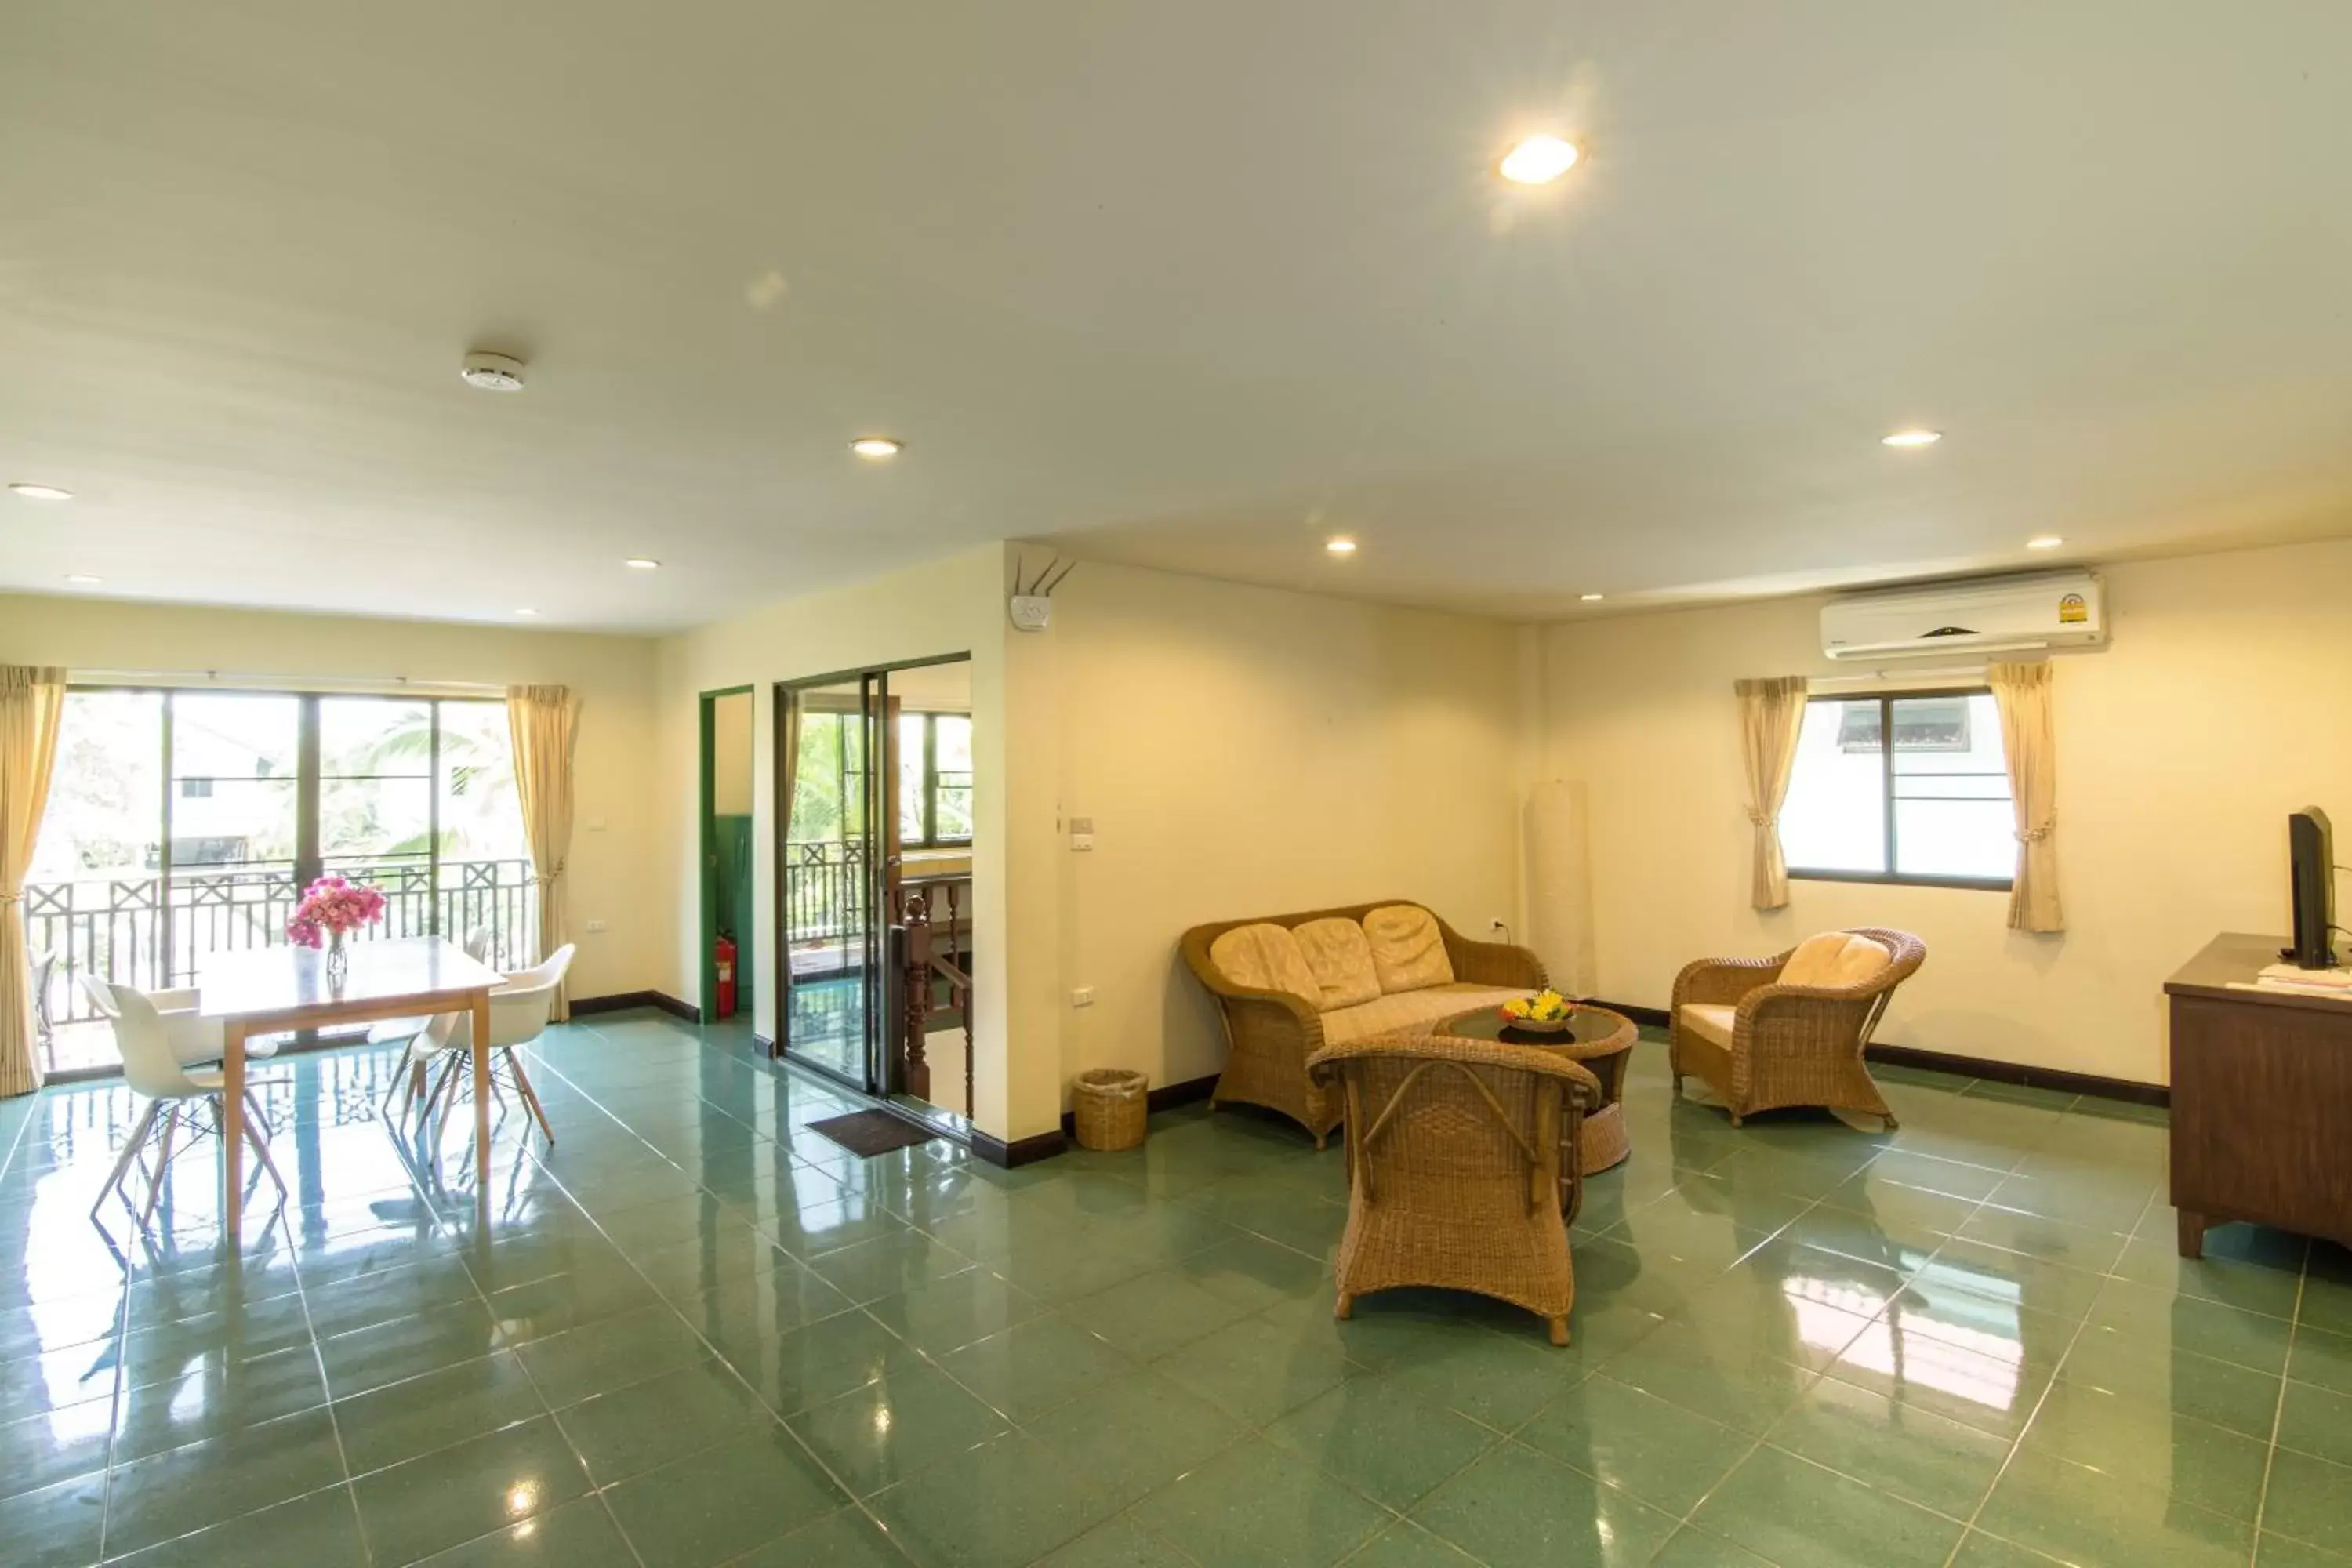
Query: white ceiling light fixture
{"points": [[83, 580], [2044, 541], [492, 372], [878, 447], [40, 492], [642, 563], [1538, 160], [526, 612], [1591, 598], [1339, 544], [1911, 439]]}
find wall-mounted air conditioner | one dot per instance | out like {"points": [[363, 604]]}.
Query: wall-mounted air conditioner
{"points": [[1998, 615]]}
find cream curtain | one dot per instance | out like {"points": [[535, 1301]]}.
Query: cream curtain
{"points": [[1770, 713], [32, 700], [544, 721], [2028, 739]]}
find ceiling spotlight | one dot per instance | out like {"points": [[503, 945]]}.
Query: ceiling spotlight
{"points": [[642, 563], [877, 447], [492, 372], [2044, 541], [41, 492], [1591, 598], [1912, 439], [83, 580], [1538, 160], [1339, 544]]}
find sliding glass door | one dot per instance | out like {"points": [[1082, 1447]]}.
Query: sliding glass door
{"points": [[185, 824]]}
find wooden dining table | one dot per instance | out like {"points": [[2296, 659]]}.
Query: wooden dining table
{"points": [[268, 990]]}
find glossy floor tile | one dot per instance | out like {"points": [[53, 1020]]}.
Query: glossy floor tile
{"points": [[694, 1333]]}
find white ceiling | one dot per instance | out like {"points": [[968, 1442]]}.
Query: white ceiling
{"points": [[1185, 284]]}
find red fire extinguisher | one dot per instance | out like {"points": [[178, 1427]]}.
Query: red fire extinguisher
{"points": [[725, 955]]}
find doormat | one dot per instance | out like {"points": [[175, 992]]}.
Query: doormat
{"points": [[870, 1133]]}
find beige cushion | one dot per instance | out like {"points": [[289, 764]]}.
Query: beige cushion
{"points": [[1266, 957], [1709, 1022], [1407, 950], [1409, 1010], [1341, 957], [1834, 958]]}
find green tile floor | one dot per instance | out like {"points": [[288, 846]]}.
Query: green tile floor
{"points": [[696, 1333]]}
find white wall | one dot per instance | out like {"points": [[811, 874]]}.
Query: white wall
{"points": [[1245, 751], [2181, 747], [614, 837]]}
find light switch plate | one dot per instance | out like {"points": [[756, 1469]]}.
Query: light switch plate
{"points": [[1083, 996]]}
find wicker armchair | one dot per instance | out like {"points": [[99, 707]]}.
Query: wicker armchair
{"points": [[1454, 1168], [1789, 1044], [1270, 1034]]}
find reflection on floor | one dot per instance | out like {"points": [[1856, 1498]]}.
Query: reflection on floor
{"points": [[695, 1333]]}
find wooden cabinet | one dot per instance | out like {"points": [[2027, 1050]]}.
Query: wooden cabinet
{"points": [[2261, 1099]]}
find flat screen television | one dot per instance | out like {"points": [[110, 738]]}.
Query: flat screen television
{"points": [[2311, 859]]}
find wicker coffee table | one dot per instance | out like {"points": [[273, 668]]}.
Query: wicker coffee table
{"points": [[1599, 1039]]}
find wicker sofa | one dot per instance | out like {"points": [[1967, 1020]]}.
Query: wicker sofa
{"points": [[1791, 1029], [1290, 985]]}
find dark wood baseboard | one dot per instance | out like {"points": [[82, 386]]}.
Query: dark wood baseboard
{"points": [[1021, 1150], [622, 1000], [1167, 1096], [2052, 1079]]}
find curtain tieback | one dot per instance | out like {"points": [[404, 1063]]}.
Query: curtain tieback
{"points": [[550, 877], [1762, 818], [2037, 834], [11, 898]]}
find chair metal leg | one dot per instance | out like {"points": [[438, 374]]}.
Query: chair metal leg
{"points": [[530, 1096], [163, 1165], [261, 1148], [443, 1088], [253, 1109], [138, 1140]]}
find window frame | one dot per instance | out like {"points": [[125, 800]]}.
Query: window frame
{"points": [[928, 806], [1891, 876]]}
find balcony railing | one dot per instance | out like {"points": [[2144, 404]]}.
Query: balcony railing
{"points": [[154, 934], [825, 892]]}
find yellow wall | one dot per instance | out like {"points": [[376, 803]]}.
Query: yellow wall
{"points": [[1245, 751], [2181, 747], [730, 755], [610, 865]]}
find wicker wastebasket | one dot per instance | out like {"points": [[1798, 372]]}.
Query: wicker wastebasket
{"points": [[1109, 1107]]}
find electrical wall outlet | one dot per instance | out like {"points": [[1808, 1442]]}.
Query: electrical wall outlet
{"points": [[1082, 833], [1083, 996], [595, 928]]}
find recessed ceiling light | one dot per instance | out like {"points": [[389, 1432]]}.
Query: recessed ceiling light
{"points": [[1912, 439], [1339, 544], [526, 612], [1538, 160], [83, 580], [2044, 541], [1591, 598], [642, 563], [41, 492], [877, 447]]}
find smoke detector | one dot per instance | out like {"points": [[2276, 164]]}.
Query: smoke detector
{"points": [[492, 372]]}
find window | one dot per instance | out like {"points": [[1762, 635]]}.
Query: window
{"points": [[1933, 808], [934, 779]]}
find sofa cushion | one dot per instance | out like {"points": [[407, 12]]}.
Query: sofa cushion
{"points": [[1341, 957], [1834, 958], [1708, 1022], [1407, 950], [1403, 1011], [1266, 957]]}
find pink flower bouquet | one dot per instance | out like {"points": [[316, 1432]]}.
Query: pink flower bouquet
{"points": [[330, 907]]}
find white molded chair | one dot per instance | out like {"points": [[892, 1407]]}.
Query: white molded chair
{"points": [[195, 1039], [175, 1096], [426, 1039], [43, 962], [518, 1013]]}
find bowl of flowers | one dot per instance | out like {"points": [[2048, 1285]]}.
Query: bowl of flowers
{"points": [[1545, 1013]]}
